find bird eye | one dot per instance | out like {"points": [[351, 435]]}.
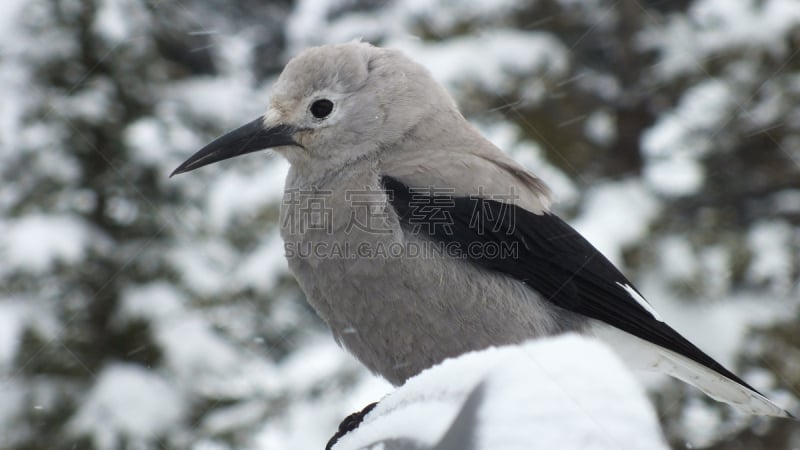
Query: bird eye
{"points": [[321, 108]]}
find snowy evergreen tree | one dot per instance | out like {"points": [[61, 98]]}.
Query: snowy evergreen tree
{"points": [[138, 311]]}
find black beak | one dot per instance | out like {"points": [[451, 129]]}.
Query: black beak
{"points": [[245, 139]]}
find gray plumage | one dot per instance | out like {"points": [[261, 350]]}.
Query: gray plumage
{"points": [[395, 315], [400, 314]]}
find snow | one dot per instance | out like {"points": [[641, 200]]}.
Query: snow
{"points": [[120, 20], [705, 106], [396, 19], [312, 370], [700, 424], [507, 53], [298, 400], [715, 26], [12, 82], [12, 321], [756, 23], [676, 175], [715, 269], [146, 138], [675, 143], [152, 406], [444, 15], [326, 406], [311, 364], [226, 101], [304, 425], [307, 15], [13, 399], [233, 193], [229, 419], [615, 215], [771, 264], [35, 242], [157, 300], [92, 103], [123, 211], [199, 358], [54, 163], [601, 127], [9, 21], [677, 261], [206, 444], [787, 201], [507, 138], [205, 266], [235, 58], [195, 352], [261, 268], [534, 395], [504, 53]]}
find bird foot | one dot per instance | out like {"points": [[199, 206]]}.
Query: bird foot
{"points": [[349, 424]]}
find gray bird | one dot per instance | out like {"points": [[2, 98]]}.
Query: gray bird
{"points": [[416, 239]]}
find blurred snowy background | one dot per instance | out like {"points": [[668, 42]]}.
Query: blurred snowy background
{"points": [[140, 312]]}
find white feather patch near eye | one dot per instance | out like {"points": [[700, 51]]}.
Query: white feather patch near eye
{"points": [[640, 300], [272, 117]]}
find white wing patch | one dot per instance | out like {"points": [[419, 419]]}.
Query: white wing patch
{"points": [[640, 300]]}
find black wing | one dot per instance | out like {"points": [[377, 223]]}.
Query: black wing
{"points": [[545, 253]]}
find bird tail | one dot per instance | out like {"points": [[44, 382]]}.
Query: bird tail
{"points": [[715, 385], [640, 354]]}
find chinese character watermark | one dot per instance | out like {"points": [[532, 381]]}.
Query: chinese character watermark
{"points": [[500, 213], [431, 211], [431, 208], [310, 210], [368, 211]]}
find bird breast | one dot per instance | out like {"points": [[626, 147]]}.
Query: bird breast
{"points": [[391, 297]]}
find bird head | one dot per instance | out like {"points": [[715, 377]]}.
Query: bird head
{"points": [[333, 105]]}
